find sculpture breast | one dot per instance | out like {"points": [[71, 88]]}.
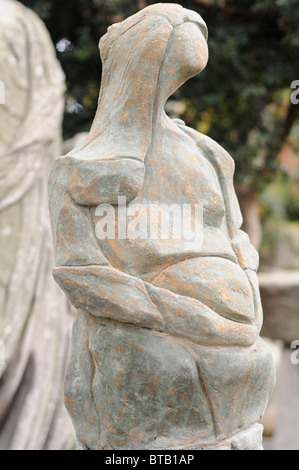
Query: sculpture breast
{"points": [[166, 347]]}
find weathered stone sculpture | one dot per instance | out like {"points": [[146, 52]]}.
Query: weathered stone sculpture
{"points": [[166, 347], [35, 317]]}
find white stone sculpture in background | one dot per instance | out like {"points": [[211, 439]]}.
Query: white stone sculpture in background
{"points": [[34, 316]]}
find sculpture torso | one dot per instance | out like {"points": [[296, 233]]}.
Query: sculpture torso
{"points": [[176, 172]]}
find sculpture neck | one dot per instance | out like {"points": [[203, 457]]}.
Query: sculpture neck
{"points": [[160, 118]]}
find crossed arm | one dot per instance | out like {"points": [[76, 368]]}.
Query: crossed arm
{"points": [[93, 285]]}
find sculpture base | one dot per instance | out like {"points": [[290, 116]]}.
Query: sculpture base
{"points": [[248, 439]]}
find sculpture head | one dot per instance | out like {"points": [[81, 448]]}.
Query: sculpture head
{"points": [[186, 54], [178, 36], [146, 58]]}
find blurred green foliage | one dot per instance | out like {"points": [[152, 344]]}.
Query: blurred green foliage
{"points": [[280, 201], [279, 204], [242, 100]]}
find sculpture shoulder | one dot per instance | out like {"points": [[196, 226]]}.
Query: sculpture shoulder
{"points": [[14, 13], [209, 147], [92, 182], [8, 12]]}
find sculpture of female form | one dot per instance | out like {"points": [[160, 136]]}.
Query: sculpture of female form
{"points": [[166, 347]]}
